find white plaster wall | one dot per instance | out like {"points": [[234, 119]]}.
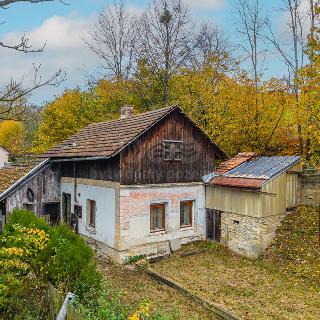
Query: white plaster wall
{"points": [[4, 157], [105, 210], [135, 214]]}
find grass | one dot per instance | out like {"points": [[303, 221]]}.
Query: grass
{"points": [[137, 286], [283, 284]]}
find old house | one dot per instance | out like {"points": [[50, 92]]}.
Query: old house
{"points": [[33, 186], [4, 157], [135, 184], [247, 197]]}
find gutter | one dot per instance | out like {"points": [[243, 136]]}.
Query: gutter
{"points": [[25, 178]]}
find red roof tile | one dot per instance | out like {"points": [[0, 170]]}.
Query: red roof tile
{"points": [[235, 161]]}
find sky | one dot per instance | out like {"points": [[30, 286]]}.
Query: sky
{"points": [[63, 28]]}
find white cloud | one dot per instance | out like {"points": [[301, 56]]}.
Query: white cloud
{"points": [[64, 50], [206, 4]]}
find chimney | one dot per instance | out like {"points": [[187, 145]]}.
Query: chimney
{"points": [[126, 111]]}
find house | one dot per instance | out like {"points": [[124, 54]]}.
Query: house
{"points": [[247, 197], [135, 184], [33, 186], [4, 157]]}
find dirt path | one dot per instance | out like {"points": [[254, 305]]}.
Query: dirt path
{"points": [[137, 286]]}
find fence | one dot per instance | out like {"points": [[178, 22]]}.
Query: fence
{"points": [[55, 300]]}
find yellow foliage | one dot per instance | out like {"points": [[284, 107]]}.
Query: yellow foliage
{"points": [[12, 136]]}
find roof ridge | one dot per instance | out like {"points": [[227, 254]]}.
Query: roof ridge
{"points": [[133, 116]]}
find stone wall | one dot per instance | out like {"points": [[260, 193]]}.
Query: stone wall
{"points": [[310, 189], [247, 235]]}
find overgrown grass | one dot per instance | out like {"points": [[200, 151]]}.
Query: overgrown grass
{"points": [[282, 284]]}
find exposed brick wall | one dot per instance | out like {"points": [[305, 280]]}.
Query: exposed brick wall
{"points": [[134, 225]]}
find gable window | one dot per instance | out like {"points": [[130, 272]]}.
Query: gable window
{"points": [[186, 213], [172, 150], [91, 213], [157, 217]]}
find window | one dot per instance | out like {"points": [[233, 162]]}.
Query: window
{"points": [[91, 213], [28, 206], [157, 217], [186, 213], [172, 150]]}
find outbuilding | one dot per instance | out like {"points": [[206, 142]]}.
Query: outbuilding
{"points": [[247, 197]]}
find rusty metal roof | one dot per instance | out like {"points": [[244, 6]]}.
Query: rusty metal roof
{"points": [[106, 139], [238, 182]]}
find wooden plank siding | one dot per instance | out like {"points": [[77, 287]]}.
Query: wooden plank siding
{"points": [[142, 161], [106, 170]]}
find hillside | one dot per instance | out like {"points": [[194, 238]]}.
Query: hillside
{"points": [[296, 248]]}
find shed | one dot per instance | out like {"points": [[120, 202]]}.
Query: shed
{"points": [[245, 203]]}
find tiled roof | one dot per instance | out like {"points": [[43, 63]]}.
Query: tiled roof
{"points": [[8, 176], [106, 139], [232, 163]]}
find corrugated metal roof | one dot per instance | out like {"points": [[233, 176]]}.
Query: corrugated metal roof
{"points": [[263, 167]]}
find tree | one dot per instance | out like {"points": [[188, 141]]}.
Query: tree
{"points": [[12, 136], [166, 41], [14, 92], [113, 39], [74, 110], [295, 56], [308, 80]]}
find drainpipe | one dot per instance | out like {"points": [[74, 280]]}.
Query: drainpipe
{"points": [[75, 181]]}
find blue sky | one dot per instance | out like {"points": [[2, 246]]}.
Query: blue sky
{"points": [[64, 27]]}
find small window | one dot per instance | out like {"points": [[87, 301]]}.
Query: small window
{"points": [[186, 213], [28, 206], [157, 217], [91, 210], [172, 150]]}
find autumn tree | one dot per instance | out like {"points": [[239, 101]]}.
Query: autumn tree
{"points": [[12, 136]]}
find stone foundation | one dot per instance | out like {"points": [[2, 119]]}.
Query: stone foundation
{"points": [[150, 250], [247, 235]]}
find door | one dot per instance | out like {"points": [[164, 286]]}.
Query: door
{"points": [[213, 225], [66, 208]]}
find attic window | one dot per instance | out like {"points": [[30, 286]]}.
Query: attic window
{"points": [[172, 150]]}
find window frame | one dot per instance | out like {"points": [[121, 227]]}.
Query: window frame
{"points": [[173, 152], [90, 210], [190, 203], [152, 207]]}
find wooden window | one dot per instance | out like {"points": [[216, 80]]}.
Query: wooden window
{"points": [[91, 211], [172, 150], [186, 213], [157, 217], [28, 206]]}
